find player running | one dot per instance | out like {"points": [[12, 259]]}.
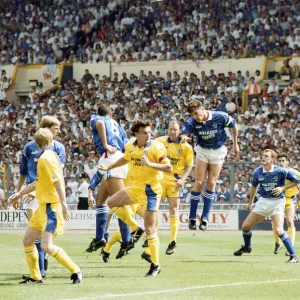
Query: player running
{"points": [[209, 129], [110, 140], [181, 156], [147, 161], [49, 217], [291, 197], [270, 181], [28, 172]]}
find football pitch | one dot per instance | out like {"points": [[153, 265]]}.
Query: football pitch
{"points": [[203, 267]]}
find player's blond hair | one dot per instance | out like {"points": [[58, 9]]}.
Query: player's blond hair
{"points": [[273, 153], [43, 138], [49, 121]]}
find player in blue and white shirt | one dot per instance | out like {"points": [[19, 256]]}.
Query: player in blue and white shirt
{"points": [[28, 173], [209, 129], [110, 139], [269, 181]]}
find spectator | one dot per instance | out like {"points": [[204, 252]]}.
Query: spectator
{"points": [[82, 191], [71, 197]]}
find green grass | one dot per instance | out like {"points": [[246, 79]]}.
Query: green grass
{"points": [[200, 260]]}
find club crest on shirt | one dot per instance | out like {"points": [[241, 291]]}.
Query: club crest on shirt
{"points": [[275, 178], [53, 176], [215, 125], [145, 153], [179, 151]]}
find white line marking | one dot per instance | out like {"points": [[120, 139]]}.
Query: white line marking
{"points": [[184, 289]]}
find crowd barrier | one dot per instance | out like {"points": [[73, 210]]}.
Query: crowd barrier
{"points": [[85, 220]]}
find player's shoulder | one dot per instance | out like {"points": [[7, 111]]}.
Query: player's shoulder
{"points": [[162, 139], [130, 143], [218, 114], [258, 170], [31, 145], [294, 171], [58, 144], [95, 118]]}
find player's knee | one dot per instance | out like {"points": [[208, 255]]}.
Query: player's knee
{"points": [[290, 221], [279, 230], [211, 184], [150, 230], [198, 184], [100, 202], [27, 241], [246, 227], [47, 247]]}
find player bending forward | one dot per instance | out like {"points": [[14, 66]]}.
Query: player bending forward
{"points": [[147, 159]]}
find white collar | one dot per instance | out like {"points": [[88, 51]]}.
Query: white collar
{"points": [[272, 170]]}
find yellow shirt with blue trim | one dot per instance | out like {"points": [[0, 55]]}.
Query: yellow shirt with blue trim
{"points": [[290, 193], [49, 171], [156, 153], [180, 156]]}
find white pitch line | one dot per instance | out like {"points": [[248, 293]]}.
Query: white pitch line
{"points": [[184, 289]]}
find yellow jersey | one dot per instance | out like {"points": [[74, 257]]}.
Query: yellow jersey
{"points": [[155, 151], [49, 171], [290, 193], [180, 156]]}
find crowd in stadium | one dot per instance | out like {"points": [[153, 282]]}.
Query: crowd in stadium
{"points": [[52, 31], [118, 31]]}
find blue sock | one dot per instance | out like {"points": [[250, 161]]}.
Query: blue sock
{"points": [[41, 256], [125, 232], [208, 199], [247, 235], [106, 236], [195, 198], [101, 218], [288, 244]]}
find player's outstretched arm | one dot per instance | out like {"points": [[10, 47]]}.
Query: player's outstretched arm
{"points": [[181, 181], [119, 163]]}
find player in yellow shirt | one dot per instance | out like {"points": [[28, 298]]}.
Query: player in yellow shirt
{"points": [[181, 156], [48, 219], [147, 161], [291, 196]]}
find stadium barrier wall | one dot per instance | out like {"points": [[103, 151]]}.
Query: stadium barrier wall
{"points": [[85, 220], [266, 224], [218, 65]]}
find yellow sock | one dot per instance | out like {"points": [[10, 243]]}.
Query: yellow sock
{"points": [[277, 239], [174, 224], [292, 234], [147, 250], [62, 257], [32, 258], [116, 236], [123, 213], [153, 242]]}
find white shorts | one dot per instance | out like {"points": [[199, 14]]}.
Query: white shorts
{"points": [[211, 156], [34, 204], [107, 159], [269, 207]]}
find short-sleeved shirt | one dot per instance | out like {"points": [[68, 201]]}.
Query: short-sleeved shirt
{"points": [[211, 133], [290, 193], [180, 156], [266, 181], [155, 151], [49, 171], [31, 154]]}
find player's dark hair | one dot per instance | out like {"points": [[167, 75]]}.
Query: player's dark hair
{"points": [[104, 110], [135, 128], [283, 155], [193, 105]]}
